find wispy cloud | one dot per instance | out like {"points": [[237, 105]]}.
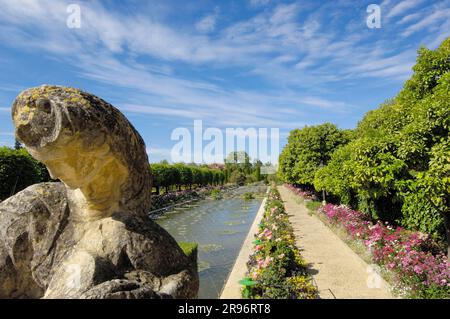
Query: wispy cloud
{"points": [[403, 7], [431, 20], [208, 23], [279, 65]]}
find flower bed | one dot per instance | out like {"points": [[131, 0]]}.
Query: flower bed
{"points": [[276, 270], [301, 192], [418, 271]]}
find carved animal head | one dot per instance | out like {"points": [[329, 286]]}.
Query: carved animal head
{"points": [[87, 144]]}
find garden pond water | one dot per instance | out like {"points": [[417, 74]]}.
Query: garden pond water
{"points": [[219, 227]]}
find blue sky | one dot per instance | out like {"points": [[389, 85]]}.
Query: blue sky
{"points": [[248, 63]]}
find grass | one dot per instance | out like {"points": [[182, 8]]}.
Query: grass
{"points": [[188, 248], [312, 206]]}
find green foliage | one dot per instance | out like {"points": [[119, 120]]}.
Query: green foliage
{"points": [[216, 194], [336, 177], [308, 150], [19, 170], [248, 196], [276, 268], [185, 174], [313, 205], [397, 165], [177, 175], [430, 67], [239, 170], [237, 177], [191, 251], [188, 248]]}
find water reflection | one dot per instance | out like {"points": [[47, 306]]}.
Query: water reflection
{"points": [[219, 227]]}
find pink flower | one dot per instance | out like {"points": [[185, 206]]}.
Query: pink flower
{"points": [[418, 270]]}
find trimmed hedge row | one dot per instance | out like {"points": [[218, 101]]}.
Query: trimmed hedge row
{"points": [[276, 270], [177, 175]]}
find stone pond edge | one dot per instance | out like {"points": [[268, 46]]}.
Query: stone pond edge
{"points": [[232, 288]]}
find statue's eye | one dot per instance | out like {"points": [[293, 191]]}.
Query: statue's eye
{"points": [[44, 105]]}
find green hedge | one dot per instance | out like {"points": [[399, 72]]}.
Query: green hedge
{"points": [[168, 176], [396, 163], [19, 170]]}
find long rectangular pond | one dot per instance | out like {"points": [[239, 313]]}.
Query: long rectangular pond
{"points": [[219, 227]]}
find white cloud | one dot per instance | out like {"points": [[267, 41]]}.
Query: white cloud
{"points": [[431, 20], [409, 18], [274, 45], [208, 23], [403, 7], [249, 43]]}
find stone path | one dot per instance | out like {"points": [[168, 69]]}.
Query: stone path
{"points": [[336, 269]]}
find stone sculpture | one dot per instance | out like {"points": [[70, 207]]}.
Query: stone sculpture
{"points": [[87, 236]]}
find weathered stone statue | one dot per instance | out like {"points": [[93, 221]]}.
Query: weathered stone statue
{"points": [[87, 236]]}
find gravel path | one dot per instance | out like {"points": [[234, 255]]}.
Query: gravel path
{"points": [[336, 269]]}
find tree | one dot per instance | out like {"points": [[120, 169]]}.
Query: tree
{"points": [[158, 176], [237, 177], [308, 150], [185, 175], [196, 176], [18, 170], [396, 167], [257, 173], [239, 162]]}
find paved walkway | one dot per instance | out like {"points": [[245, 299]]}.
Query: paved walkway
{"points": [[336, 269]]}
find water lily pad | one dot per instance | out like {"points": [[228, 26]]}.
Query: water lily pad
{"points": [[203, 265], [234, 223], [229, 232], [210, 247]]}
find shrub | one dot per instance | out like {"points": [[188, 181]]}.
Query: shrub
{"points": [[276, 268], [308, 149], [248, 196], [216, 194], [237, 177], [19, 170], [178, 175], [396, 165]]}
